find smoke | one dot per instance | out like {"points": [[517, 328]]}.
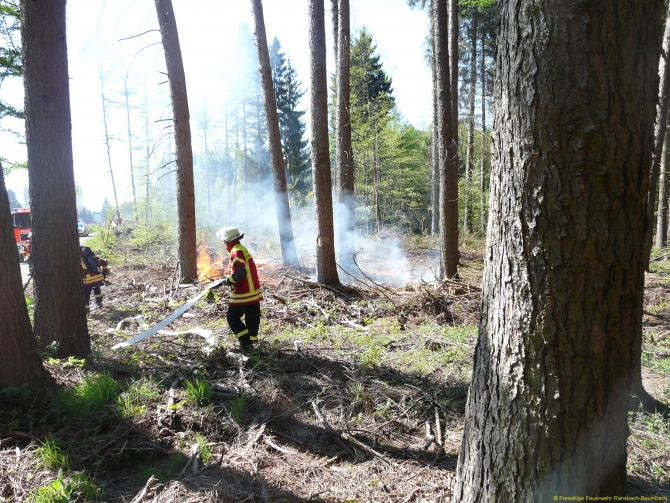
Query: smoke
{"points": [[251, 209]]}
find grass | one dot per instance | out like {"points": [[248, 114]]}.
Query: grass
{"points": [[51, 454], [205, 451], [236, 409], [132, 402], [91, 395], [649, 449], [198, 392]]}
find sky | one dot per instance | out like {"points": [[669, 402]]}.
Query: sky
{"points": [[207, 30]]}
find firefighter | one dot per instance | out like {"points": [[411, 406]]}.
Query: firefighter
{"points": [[93, 274], [246, 289]]}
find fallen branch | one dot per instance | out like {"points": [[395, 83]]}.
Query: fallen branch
{"points": [[330, 430], [365, 447], [276, 447], [144, 490]]}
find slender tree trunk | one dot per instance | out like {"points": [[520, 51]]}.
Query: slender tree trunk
{"points": [[453, 69], [289, 253], [19, 362], [246, 157], [326, 267], [207, 168], [147, 182], [109, 153], [662, 219], [470, 155], [435, 150], [59, 293], [564, 273], [659, 137], [447, 147], [182, 132], [662, 228], [482, 165], [344, 152], [130, 144]]}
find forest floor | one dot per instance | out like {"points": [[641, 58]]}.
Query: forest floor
{"points": [[355, 394]]}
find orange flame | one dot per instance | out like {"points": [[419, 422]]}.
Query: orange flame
{"points": [[208, 268]]}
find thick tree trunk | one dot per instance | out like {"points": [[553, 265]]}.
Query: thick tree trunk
{"points": [[326, 267], [182, 134], [662, 227], [289, 253], [659, 136], [662, 219], [564, 272], [19, 363], [470, 154], [482, 165], [335, 16], [447, 147], [59, 293], [344, 153]]}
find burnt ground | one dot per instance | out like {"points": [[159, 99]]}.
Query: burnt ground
{"points": [[355, 393]]}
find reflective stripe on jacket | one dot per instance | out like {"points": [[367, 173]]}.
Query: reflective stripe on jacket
{"points": [[91, 277], [246, 291]]}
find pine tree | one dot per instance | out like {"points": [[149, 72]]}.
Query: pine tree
{"points": [[291, 123]]}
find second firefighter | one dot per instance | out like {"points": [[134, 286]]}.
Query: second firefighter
{"points": [[94, 271], [246, 292]]}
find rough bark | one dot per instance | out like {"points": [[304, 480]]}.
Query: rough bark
{"points": [[289, 253], [482, 164], [447, 147], [59, 293], [470, 153], [344, 153], [453, 69], [662, 218], [19, 363], [659, 136], [435, 157], [326, 267], [564, 272], [335, 16], [182, 134]]}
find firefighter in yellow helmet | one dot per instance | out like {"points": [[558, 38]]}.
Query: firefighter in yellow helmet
{"points": [[246, 295]]}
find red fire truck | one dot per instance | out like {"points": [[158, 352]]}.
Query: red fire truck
{"points": [[22, 229]]}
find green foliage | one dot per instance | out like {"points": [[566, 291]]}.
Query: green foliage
{"points": [[198, 391], [205, 451], [236, 409], [132, 402], [79, 488], [51, 454], [92, 394], [10, 50]]}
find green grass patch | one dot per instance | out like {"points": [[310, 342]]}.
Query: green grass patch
{"points": [[205, 451], [91, 395], [51, 454], [236, 409], [133, 401], [650, 437], [198, 391]]}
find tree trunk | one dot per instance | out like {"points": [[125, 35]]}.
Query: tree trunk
{"points": [[326, 267], [59, 292], [130, 144], [147, 181], [662, 228], [564, 271], [662, 219], [205, 125], [335, 16], [19, 363], [482, 186], [453, 70], [469, 157], [182, 134], [109, 153], [289, 253], [435, 151], [659, 137], [447, 147], [345, 160]]}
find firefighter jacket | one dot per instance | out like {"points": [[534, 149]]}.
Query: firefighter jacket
{"points": [[90, 268], [246, 287]]}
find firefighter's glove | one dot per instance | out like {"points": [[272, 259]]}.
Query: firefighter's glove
{"points": [[229, 280]]}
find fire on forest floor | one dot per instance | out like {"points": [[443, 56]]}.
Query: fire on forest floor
{"points": [[356, 393]]}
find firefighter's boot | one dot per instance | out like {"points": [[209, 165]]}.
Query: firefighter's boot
{"points": [[98, 300]]}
